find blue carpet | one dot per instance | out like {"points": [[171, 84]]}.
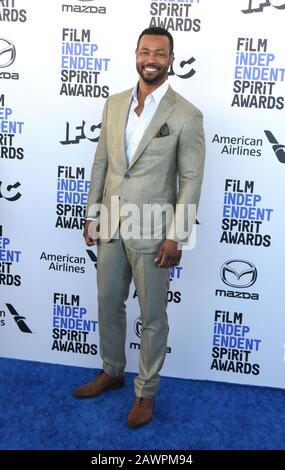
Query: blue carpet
{"points": [[39, 412]]}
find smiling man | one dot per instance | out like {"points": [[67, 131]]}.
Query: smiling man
{"points": [[150, 152]]}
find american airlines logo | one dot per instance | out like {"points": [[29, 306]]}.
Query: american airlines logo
{"points": [[93, 257], [277, 148], [19, 319]]}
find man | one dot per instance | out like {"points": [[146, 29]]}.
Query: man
{"points": [[150, 151]]}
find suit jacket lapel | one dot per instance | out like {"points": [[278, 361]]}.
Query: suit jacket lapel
{"points": [[162, 113], [121, 121]]}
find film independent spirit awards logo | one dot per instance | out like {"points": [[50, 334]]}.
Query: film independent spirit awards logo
{"points": [[238, 273], [7, 53]]}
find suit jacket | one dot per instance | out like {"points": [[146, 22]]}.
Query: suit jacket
{"points": [[164, 170]]}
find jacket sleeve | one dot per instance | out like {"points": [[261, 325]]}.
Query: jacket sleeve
{"points": [[98, 173], [190, 162]]}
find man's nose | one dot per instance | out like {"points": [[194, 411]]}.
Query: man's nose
{"points": [[151, 57]]}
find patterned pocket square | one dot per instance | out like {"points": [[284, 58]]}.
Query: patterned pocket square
{"points": [[163, 131]]}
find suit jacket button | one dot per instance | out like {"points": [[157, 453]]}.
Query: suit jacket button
{"points": [[127, 176]]}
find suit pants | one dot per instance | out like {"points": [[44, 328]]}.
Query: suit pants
{"points": [[116, 267]]}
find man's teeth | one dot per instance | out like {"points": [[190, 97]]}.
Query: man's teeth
{"points": [[150, 69]]}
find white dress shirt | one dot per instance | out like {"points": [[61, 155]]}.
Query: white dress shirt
{"points": [[137, 125]]}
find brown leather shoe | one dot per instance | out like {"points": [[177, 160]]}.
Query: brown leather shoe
{"points": [[102, 382], [141, 412]]}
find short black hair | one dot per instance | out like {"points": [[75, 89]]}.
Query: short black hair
{"points": [[157, 31]]}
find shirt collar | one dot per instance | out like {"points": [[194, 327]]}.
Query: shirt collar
{"points": [[156, 95]]}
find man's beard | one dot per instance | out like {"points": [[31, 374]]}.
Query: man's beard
{"points": [[161, 73]]}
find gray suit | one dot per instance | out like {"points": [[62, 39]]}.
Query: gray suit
{"points": [[164, 170]]}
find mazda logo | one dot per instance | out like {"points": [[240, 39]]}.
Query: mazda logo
{"points": [[238, 273], [7, 53], [138, 327]]}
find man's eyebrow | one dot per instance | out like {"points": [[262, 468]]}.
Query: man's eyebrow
{"points": [[147, 49]]}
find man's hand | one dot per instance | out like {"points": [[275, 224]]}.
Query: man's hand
{"points": [[91, 232], [168, 254]]}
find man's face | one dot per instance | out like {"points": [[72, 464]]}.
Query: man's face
{"points": [[153, 58]]}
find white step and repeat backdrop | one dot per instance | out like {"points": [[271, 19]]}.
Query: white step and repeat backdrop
{"points": [[59, 61]]}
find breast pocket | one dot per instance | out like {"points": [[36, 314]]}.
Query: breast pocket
{"points": [[162, 145]]}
